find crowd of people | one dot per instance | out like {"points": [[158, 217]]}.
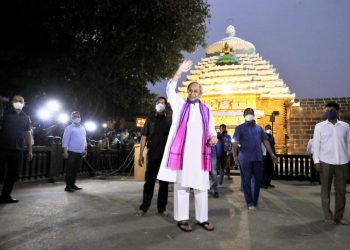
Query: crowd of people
{"points": [[185, 149]]}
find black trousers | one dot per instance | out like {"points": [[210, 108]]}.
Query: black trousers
{"points": [[14, 159], [268, 170], [74, 162], [148, 188]]}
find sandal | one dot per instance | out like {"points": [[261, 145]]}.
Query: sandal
{"points": [[330, 222], [207, 225], [184, 226]]}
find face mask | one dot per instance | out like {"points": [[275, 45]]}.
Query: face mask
{"points": [[331, 115], [249, 118], [76, 120], [268, 131], [18, 105], [160, 107]]}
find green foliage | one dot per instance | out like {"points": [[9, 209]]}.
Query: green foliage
{"points": [[98, 55]]}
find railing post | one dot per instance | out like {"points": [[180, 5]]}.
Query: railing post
{"points": [[56, 160]]}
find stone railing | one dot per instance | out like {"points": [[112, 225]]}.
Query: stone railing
{"points": [[49, 164], [293, 167]]}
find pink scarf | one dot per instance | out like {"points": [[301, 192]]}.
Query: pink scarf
{"points": [[175, 160]]}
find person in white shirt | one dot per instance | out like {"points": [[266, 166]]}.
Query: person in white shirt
{"points": [[314, 175], [187, 155], [331, 154]]}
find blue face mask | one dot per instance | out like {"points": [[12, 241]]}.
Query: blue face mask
{"points": [[331, 115]]}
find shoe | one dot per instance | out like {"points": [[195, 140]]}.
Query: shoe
{"points": [[342, 222], [271, 186], [76, 188], [8, 199], [68, 189], [216, 195], [164, 213], [140, 213], [265, 186], [251, 208]]}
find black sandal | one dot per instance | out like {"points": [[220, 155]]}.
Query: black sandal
{"points": [[206, 225], [184, 226]]}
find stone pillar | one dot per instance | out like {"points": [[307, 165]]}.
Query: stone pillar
{"points": [[139, 172], [56, 160]]}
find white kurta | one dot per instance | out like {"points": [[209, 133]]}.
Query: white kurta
{"points": [[191, 175]]}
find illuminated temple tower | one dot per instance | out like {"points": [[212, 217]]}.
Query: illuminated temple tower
{"points": [[235, 77]]}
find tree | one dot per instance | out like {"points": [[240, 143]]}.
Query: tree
{"points": [[98, 55]]}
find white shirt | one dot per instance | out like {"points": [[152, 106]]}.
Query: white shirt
{"points": [[331, 143], [309, 148]]}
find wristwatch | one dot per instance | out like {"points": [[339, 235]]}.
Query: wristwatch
{"points": [[273, 156]]}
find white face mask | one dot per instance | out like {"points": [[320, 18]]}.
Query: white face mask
{"points": [[268, 131], [76, 120], [160, 107], [249, 118], [18, 105]]}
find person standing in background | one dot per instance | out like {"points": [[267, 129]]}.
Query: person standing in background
{"points": [[268, 162], [331, 154], [74, 149], [15, 130], [154, 133]]}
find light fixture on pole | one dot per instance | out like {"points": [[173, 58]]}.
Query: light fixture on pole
{"points": [[272, 119]]}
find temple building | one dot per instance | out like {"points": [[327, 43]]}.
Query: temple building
{"points": [[234, 76]]}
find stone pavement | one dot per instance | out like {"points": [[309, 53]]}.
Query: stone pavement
{"points": [[102, 216]]}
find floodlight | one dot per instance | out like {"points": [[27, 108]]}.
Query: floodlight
{"points": [[44, 114], [63, 118], [90, 126], [53, 105]]}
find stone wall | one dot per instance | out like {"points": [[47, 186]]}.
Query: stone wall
{"points": [[280, 124], [302, 119]]}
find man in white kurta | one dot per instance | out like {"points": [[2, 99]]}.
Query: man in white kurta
{"points": [[191, 175]]}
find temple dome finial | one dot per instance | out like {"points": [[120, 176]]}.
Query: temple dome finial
{"points": [[230, 30], [237, 44]]}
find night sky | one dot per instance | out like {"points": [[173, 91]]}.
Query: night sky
{"points": [[307, 41]]}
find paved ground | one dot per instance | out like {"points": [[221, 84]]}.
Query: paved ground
{"points": [[101, 216]]}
